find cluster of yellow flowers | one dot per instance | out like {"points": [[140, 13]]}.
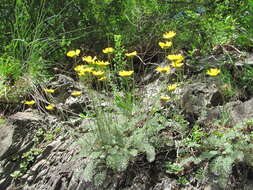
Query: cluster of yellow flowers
{"points": [[98, 69], [50, 91], [168, 36], [95, 67], [176, 62], [176, 59]]}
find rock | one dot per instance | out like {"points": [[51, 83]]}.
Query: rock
{"points": [[77, 104], [19, 132], [151, 94], [235, 112], [5, 138], [212, 114], [62, 85], [16, 138], [165, 184], [197, 97], [242, 112], [247, 61]]}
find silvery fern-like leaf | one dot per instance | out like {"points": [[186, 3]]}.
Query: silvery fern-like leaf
{"points": [[89, 170], [118, 162], [133, 152], [99, 178], [208, 155], [149, 150], [222, 167]]}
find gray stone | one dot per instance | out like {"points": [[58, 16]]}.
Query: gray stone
{"points": [[197, 97], [235, 112], [62, 85], [77, 104], [242, 112], [5, 138], [247, 61], [19, 132]]}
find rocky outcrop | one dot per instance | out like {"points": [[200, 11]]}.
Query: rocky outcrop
{"points": [[16, 138], [58, 168]]}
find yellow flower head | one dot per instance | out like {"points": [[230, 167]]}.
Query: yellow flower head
{"points": [[163, 69], [177, 64], [89, 59], [76, 93], [102, 78], [176, 57], [73, 53], [50, 91], [169, 35], [213, 72], [165, 45], [50, 107], [87, 70], [31, 102], [134, 53], [172, 87], [165, 98], [83, 70], [81, 73], [79, 68], [98, 73], [102, 63], [108, 50], [125, 73]]}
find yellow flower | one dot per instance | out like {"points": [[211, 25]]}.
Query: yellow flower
{"points": [[73, 53], [172, 87], [98, 73], [88, 70], [213, 72], [78, 68], [165, 45], [76, 93], [165, 98], [50, 91], [82, 70], [177, 64], [50, 107], [134, 53], [176, 57], [108, 50], [163, 69], [125, 73], [102, 78], [31, 102], [169, 35], [89, 59], [102, 63]]}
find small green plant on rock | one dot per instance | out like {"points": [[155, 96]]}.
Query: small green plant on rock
{"points": [[173, 168], [27, 159]]}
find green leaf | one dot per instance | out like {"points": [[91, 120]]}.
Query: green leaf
{"points": [[150, 152], [133, 152], [250, 2], [89, 170]]}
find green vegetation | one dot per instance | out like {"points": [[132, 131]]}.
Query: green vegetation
{"points": [[110, 47]]}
